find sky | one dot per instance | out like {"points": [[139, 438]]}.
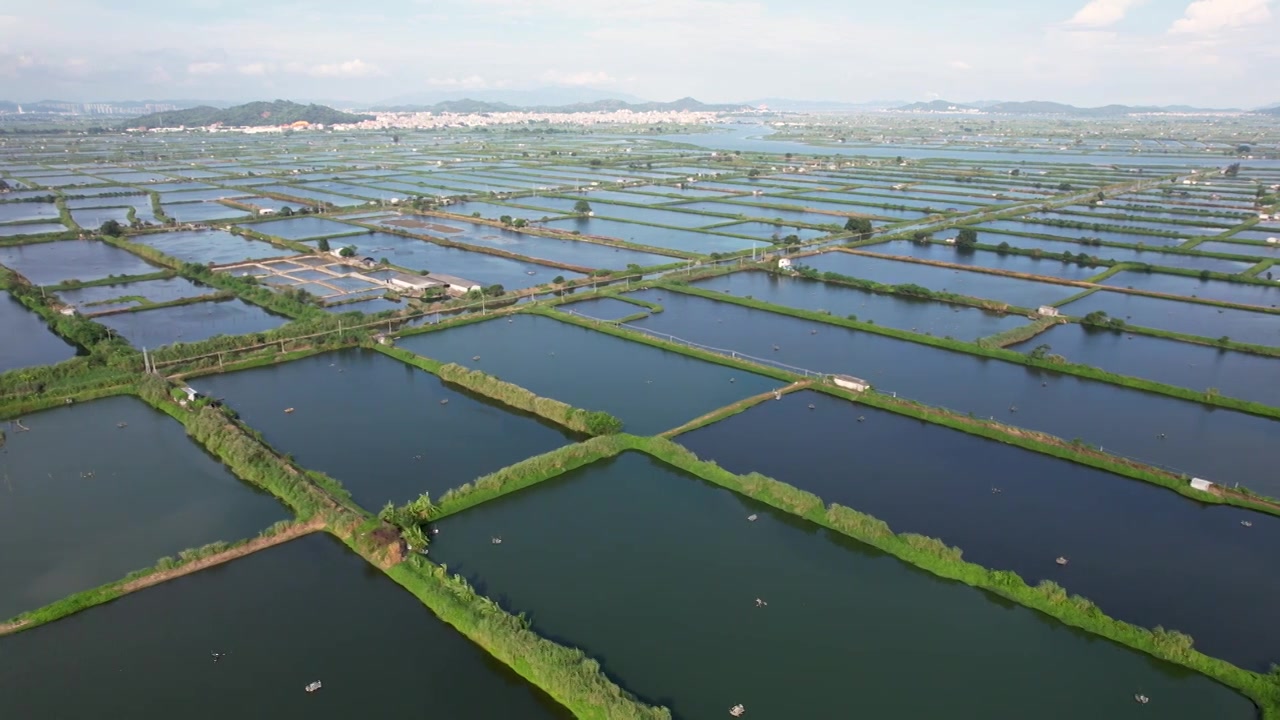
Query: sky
{"points": [[1214, 53]]}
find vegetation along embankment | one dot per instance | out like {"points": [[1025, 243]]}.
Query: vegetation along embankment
{"points": [[924, 552]]}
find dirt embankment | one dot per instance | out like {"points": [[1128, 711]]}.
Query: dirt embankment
{"points": [[253, 546]]}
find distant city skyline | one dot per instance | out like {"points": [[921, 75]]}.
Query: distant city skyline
{"points": [[1209, 53]]}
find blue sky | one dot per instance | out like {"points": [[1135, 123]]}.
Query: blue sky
{"points": [[1203, 52]]}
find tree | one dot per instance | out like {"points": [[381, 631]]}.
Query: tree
{"points": [[1243, 150], [285, 211], [558, 280], [582, 207], [348, 251], [110, 227], [519, 222], [1232, 170], [505, 219], [861, 226], [322, 245], [753, 172], [1039, 352], [494, 291], [967, 239]]}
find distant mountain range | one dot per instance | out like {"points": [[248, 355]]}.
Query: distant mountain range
{"points": [[471, 105], [1041, 107], [254, 114]]}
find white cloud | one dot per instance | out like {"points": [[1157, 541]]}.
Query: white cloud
{"points": [[349, 69], [1206, 16], [960, 65], [470, 82], [252, 69], [598, 77], [204, 68], [1102, 13]]}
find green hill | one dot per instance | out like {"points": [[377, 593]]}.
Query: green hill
{"points": [[254, 114]]}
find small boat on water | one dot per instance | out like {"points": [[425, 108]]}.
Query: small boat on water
{"points": [[312, 687], [738, 710], [444, 401], [1142, 699], [1246, 523], [496, 540], [1061, 561], [753, 517], [288, 411]]}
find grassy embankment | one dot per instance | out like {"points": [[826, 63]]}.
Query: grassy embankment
{"points": [[583, 421], [927, 553]]}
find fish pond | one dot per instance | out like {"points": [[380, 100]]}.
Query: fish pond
{"points": [[210, 246], [941, 252], [1198, 367], [150, 655], [569, 252], [51, 263], [304, 228], [1183, 317], [191, 323], [1015, 291], [1213, 443], [1233, 292], [135, 488], [925, 316], [648, 388], [430, 436], [1012, 509], [679, 240], [101, 298], [607, 556], [27, 340], [479, 267]]}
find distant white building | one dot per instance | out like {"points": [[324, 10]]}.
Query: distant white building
{"points": [[266, 211], [784, 263], [1047, 311], [949, 241], [1273, 240], [415, 284], [1201, 484]]}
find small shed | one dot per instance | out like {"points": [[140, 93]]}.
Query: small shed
{"points": [[1047, 311], [68, 311], [849, 382], [949, 241], [1201, 484], [191, 393], [1273, 240], [784, 263]]}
